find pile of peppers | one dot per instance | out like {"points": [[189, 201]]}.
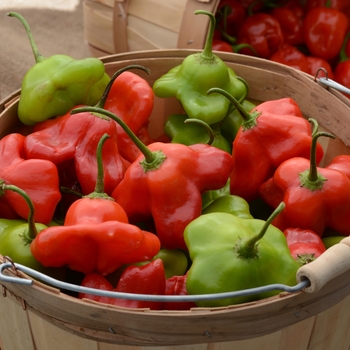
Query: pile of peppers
{"points": [[232, 198], [303, 34]]}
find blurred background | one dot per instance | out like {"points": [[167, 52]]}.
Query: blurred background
{"points": [[57, 27]]}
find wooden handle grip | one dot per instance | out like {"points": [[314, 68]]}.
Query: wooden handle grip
{"points": [[332, 263]]}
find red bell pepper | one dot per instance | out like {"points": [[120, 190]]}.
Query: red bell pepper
{"points": [[314, 65], [324, 31], [271, 133], [176, 285], [291, 24], [263, 32], [166, 181], [101, 247], [304, 245], [342, 69], [37, 177], [291, 56], [230, 15], [97, 206], [145, 279], [314, 197], [131, 98]]}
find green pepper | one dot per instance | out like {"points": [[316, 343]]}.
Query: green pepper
{"points": [[229, 253], [180, 129], [174, 260], [17, 235], [231, 204], [233, 121], [209, 196], [331, 240], [190, 81], [56, 84]]}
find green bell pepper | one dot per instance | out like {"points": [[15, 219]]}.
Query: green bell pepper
{"points": [[180, 129], [209, 196], [229, 253], [174, 260], [17, 235], [231, 204], [190, 81], [56, 84]]}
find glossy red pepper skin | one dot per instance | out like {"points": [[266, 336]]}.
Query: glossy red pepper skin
{"points": [[304, 245], [291, 24], [145, 279], [131, 98], [75, 137], [37, 177], [263, 32], [307, 209], [290, 56], [221, 45], [171, 194], [324, 31], [101, 247], [176, 285], [281, 133], [314, 63]]}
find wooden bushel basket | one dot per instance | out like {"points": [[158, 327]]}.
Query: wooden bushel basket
{"points": [[117, 26], [40, 317]]}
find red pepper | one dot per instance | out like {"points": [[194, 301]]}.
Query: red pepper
{"points": [[166, 181], [324, 30], [221, 45], [96, 207], [75, 138], [304, 245], [37, 177], [291, 24], [314, 197], [230, 15], [342, 69], [146, 279], [271, 133], [131, 98], [315, 63], [101, 247], [340, 5], [291, 56], [263, 32], [176, 285]]}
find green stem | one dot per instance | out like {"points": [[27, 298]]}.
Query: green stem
{"points": [[247, 249], [32, 231], [206, 127], [207, 52], [153, 160], [249, 119], [37, 55], [314, 123], [310, 178], [103, 99]]}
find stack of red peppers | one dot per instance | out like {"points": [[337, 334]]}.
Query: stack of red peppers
{"points": [[303, 34]]}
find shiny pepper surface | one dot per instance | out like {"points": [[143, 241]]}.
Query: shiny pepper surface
{"points": [[316, 198], [37, 177], [273, 132], [231, 254], [190, 81], [324, 31], [56, 84]]}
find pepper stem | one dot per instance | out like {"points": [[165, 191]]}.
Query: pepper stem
{"points": [[247, 248], [206, 126], [207, 52], [103, 99], [152, 161], [249, 119], [310, 178], [37, 55], [32, 231]]}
